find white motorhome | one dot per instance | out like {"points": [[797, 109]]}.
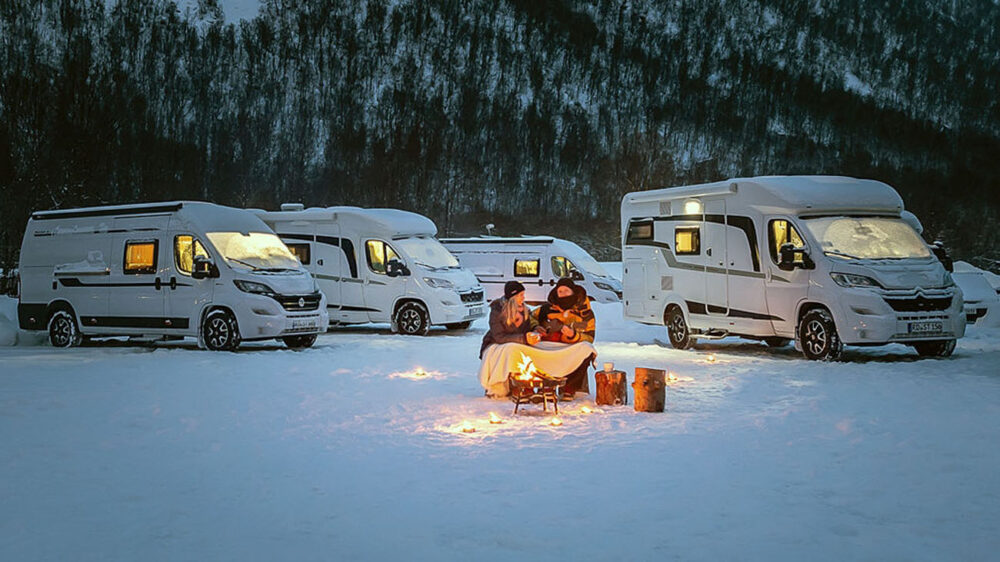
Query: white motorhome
{"points": [[536, 261], [380, 265], [821, 260], [165, 270]]}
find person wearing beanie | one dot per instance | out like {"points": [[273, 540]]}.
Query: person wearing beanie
{"points": [[566, 317], [510, 320]]}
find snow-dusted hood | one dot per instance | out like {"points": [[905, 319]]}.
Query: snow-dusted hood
{"points": [[901, 274], [289, 282], [461, 278]]}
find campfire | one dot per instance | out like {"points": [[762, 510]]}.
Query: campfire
{"points": [[529, 384]]}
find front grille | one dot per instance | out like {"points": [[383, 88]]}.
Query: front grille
{"points": [[474, 296], [919, 304], [299, 303]]}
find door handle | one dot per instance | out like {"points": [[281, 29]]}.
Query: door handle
{"points": [[319, 262], [158, 284], [709, 252], [173, 283]]}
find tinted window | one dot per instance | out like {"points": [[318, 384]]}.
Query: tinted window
{"points": [[300, 251], [140, 257], [639, 230]]}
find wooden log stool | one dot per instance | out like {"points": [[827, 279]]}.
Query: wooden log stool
{"points": [[650, 388], [611, 386]]}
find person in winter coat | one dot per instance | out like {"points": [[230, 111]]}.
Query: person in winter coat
{"points": [[567, 318], [510, 320]]}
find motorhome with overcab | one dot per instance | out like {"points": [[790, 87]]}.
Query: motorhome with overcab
{"points": [[165, 271], [535, 261], [380, 265], [821, 260]]}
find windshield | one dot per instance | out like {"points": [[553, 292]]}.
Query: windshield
{"points": [[867, 238], [585, 262], [427, 252], [254, 251]]}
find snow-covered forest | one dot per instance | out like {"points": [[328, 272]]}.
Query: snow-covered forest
{"points": [[521, 113]]}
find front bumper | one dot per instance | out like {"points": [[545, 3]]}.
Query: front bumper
{"points": [[268, 318], [866, 317], [469, 306]]}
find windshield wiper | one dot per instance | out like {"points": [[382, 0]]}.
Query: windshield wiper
{"points": [[250, 265], [841, 254]]}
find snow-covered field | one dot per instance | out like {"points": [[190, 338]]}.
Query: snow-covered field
{"points": [[118, 451]]}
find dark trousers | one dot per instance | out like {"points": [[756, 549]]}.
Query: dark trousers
{"points": [[578, 380]]}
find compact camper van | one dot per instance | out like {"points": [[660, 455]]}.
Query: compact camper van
{"points": [[380, 265], [821, 260], [536, 261], [165, 270]]}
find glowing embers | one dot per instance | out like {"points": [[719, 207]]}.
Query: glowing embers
{"points": [[417, 374]]}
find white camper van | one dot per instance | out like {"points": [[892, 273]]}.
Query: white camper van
{"points": [[165, 270], [536, 261], [380, 265], [823, 260]]}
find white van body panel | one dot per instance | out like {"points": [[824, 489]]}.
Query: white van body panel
{"points": [[493, 260], [76, 258], [732, 284], [336, 239]]}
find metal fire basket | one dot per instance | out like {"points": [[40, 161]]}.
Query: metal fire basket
{"points": [[538, 388]]}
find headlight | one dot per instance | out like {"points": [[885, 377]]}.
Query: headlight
{"points": [[437, 283], [253, 287], [851, 280], [604, 286]]}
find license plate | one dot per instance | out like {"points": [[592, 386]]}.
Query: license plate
{"points": [[299, 324], [925, 327], [476, 311]]}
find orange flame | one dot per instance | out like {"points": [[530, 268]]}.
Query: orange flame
{"points": [[586, 410], [495, 418], [556, 422], [467, 427], [526, 368]]}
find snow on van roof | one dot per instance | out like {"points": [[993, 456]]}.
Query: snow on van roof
{"points": [[203, 215], [796, 194], [395, 221], [524, 239]]}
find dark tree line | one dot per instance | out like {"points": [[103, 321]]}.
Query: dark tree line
{"points": [[530, 114]]}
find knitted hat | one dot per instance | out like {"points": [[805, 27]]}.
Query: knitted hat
{"points": [[566, 282], [512, 288]]}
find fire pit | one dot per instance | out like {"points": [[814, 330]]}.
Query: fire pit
{"points": [[531, 385]]}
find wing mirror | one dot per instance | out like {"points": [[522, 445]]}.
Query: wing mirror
{"points": [[204, 267], [941, 253], [396, 268], [576, 275], [787, 261]]}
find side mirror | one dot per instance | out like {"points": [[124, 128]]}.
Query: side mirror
{"points": [[576, 275], [396, 268], [204, 267], [786, 258], [941, 253]]}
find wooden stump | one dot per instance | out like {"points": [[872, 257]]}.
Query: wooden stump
{"points": [[611, 388], [650, 388]]}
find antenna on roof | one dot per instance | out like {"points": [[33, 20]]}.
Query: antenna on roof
{"points": [[489, 229], [292, 207]]}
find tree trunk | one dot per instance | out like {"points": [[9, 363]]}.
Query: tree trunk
{"points": [[650, 388], [611, 388]]}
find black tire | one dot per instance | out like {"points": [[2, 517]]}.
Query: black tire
{"points": [[459, 325], [412, 319], [937, 348], [677, 330], [776, 342], [299, 342], [63, 329], [818, 336], [220, 332]]}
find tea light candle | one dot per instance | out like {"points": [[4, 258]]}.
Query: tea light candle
{"points": [[608, 367]]}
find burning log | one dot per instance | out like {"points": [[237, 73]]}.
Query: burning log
{"points": [[650, 389], [529, 384], [611, 386]]}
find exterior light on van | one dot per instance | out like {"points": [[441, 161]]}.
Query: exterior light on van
{"points": [[604, 286], [253, 287], [851, 280], [692, 207], [437, 283]]}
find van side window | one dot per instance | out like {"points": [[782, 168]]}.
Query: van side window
{"points": [[379, 253], [562, 267], [639, 230], [687, 241], [140, 257], [186, 247], [300, 251], [526, 268], [782, 232]]}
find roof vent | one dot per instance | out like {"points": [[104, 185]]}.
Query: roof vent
{"points": [[292, 207]]}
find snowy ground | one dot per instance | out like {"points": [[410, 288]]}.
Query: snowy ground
{"points": [[117, 451]]}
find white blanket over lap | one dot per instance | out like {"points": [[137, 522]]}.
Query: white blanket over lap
{"points": [[552, 358]]}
